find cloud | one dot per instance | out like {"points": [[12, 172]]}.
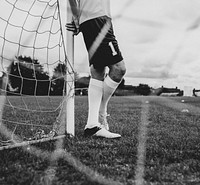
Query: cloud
{"points": [[159, 40], [152, 74], [162, 42]]}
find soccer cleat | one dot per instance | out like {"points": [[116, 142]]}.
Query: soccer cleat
{"points": [[100, 132], [103, 121]]}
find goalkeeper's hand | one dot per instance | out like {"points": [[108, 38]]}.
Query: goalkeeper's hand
{"points": [[73, 26]]}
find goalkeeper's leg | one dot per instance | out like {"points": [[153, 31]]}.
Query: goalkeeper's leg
{"points": [[110, 84], [95, 93]]}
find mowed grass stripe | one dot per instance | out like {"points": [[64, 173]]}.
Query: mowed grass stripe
{"points": [[142, 139]]}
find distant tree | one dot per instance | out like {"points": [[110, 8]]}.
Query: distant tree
{"points": [[143, 89], [27, 76], [60, 69], [82, 82], [58, 79]]}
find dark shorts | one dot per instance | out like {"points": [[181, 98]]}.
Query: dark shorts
{"points": [[100, 42]]}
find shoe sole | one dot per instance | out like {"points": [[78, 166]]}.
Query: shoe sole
{"points": [[90, 132]]}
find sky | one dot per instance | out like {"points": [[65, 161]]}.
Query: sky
{"points": [[159, 40]]}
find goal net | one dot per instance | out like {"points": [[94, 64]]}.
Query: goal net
{"points": [[36, 72]]}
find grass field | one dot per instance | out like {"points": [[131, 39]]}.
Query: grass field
{"points": [[160, 144]]}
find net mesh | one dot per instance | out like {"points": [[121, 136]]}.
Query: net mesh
{"points": [[33, 68]]}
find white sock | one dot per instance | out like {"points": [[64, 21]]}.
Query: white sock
{"points": [[95, 92], [109, 87]]}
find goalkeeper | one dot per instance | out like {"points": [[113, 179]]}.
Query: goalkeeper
{"points": [[93, 19]]}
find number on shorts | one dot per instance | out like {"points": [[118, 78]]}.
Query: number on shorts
{"points": [[112, 49]]}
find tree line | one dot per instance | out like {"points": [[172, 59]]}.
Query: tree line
{"points": [[27, 76]]}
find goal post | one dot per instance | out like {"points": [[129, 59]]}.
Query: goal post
{"points": [[36, 72], [70, 127], [69, 38]]}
